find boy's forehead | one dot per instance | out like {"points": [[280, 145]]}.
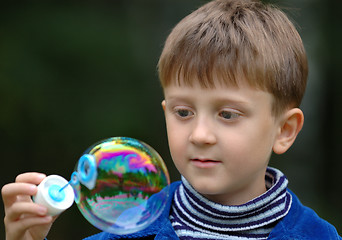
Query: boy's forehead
{"points": [[219, 90]]}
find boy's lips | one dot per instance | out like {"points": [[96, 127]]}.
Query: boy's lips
{"points": [[204, 162]]}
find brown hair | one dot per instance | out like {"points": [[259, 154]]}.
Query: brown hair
{"points": [[234, 41]]}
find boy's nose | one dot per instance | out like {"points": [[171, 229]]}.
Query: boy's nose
{"points": [[202, 134]]}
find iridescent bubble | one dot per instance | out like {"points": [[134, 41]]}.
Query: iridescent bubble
{"points": [[121, 185]]}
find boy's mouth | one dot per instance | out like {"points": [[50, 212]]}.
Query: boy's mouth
{"points": [[204, 163]]}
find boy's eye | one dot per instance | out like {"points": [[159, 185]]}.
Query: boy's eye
{"points": [[229, 115], [183, 113]]}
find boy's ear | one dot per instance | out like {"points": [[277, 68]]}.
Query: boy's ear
{"points": [[290, 125], [163, 104]]}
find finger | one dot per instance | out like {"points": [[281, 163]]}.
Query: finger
{"points": [[23, 210], [30, 177], [17, 229], [11, 191]]}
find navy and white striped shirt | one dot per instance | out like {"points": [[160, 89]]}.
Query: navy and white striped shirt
{"points": [[195, 217]]}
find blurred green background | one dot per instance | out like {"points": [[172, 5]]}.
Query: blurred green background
{"points": [[75, 72]]}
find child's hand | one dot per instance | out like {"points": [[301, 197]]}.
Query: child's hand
{"points": [[24, 219]]}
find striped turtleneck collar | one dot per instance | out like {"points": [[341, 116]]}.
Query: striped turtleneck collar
{"points": [[195, 217]]}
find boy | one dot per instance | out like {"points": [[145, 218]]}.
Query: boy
{"points": [[233, 74]]}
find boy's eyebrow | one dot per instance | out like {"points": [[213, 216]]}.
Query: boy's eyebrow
{"points": [[219, 100]]}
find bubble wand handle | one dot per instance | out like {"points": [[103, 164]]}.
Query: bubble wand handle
{"points": [[62, 188]]}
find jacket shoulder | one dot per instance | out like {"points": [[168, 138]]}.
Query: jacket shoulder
{"points": [[303, 223]]}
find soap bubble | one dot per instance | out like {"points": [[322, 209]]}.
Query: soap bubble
{"points": [[120, 185]]}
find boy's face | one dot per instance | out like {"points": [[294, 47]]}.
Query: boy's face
{"points": [[221, 139]]}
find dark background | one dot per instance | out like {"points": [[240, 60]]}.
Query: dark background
{"points": [[75, 72]]}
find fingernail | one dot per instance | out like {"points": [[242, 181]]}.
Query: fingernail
{"points": [[33, 189], [48, 218], [42, 210], [41, 175]]}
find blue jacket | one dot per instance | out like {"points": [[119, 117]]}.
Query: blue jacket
{"points": [[301, 223]]}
